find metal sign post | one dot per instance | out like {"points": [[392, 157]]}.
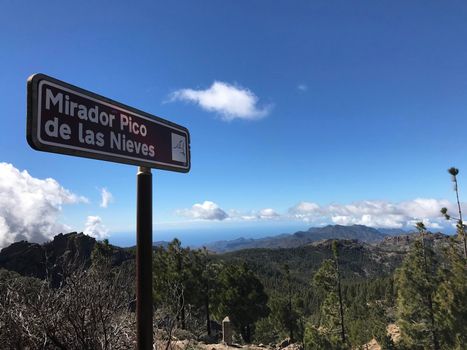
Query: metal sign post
{"points": [[66, 119], [144, 304]]}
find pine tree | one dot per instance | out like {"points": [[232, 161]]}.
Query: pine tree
{"points": [[451, 299], [416, 282], [283, 316], [206, 287], [327, 279], [335, 252], [367, 313], [209, 282], [240, 296], [179, 268], [461, 227], [291, 317]]}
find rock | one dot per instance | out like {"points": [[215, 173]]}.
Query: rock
{"points": [[372, 345], [55, 260], [394, 332], [287, 345], [283, 344], [294, 346], [28, 259]]}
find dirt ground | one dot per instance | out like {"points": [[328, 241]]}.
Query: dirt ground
{"points": [[392, 329], [185, 344]]}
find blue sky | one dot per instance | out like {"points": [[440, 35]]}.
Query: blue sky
{"points": [[324, 112]]}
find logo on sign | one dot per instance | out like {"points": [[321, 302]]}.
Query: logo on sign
{"points": [[178, 148]]}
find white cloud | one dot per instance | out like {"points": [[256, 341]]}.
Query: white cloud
{"points": [[204, 211], [387, 221], [376, 213], [425, 207], [106, 198], [29, 207], [247, 217], [95, 228], [268, 213], [211, 211], [302, 87], [305, 210], [230, 101]]}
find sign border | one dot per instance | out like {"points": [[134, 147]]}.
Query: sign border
{"points": [[34, 85]]}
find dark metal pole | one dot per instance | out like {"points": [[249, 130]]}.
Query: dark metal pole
{"points": [[144, 308]]}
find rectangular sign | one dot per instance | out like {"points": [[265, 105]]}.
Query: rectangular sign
{"points": [[63, 118]]}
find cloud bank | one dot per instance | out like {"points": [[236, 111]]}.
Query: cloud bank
{"points": [[230, 101], [29, 207], [380, 214]]}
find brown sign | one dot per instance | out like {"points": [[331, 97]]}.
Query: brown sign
{"points": [[63, 118]]}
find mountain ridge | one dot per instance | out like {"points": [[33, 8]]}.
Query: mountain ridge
{"points": [[66, 253], [359, 232]]}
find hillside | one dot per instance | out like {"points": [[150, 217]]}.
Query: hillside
{"points": [[355, 232], [359, 260]]}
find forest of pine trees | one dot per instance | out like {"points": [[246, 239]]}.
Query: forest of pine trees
{"points": [[424, 297]]}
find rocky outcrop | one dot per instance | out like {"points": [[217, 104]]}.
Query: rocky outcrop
{"points": [[403, 242], [28, 259], [56, 259]]}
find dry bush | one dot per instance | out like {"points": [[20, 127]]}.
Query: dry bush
{"points": [[167, 315], [90, 311]]}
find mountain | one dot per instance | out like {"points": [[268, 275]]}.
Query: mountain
{"points": [[355, 232], [163, 244], [394, 231], [55, 259]]}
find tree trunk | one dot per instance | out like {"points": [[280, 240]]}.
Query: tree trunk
{"points": [[208, 320], [433, 330], [341, 307], [246, 333], [461, 223], [291, 321], [183, 317]]}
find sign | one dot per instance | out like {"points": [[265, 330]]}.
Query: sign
{"points": [[63, 118]]}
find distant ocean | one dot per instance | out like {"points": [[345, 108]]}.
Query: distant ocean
{"points": [[196, 237]]}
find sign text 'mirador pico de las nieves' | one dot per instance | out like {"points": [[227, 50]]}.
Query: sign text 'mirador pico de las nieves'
{"points": [[66, 119]]}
